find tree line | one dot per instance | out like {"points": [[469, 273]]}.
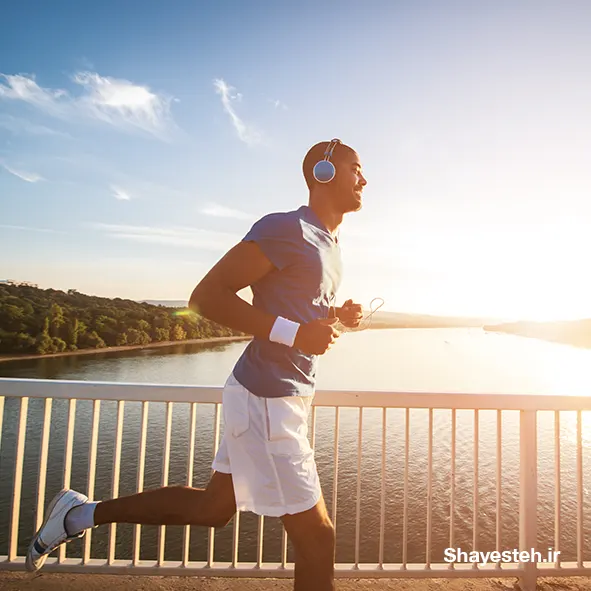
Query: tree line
{"points": [[43, 321]]}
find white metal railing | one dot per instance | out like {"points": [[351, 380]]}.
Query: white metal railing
{"points": [[21, 391]]}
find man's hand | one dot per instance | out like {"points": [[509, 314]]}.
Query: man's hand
{"points": [[316, 337], [350, 314]]}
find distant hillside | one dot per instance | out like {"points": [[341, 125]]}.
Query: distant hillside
{"points": [[397, 320], [569, 332], [48, 321], [383, 319], [167, 303]]}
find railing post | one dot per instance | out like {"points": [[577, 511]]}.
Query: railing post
{"points": [[528, 494]]}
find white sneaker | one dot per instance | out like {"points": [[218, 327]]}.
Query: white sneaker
{"points": [[53, 531]]}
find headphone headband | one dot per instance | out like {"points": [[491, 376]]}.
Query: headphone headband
{"points": [[324, 171], [330, 148]]}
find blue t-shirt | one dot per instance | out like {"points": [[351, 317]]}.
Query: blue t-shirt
{"points": [[302, 287]]}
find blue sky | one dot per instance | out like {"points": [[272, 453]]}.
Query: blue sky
{"points": [[140, 140]]}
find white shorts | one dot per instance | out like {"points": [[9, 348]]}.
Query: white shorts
{"points": [[266, 449]]}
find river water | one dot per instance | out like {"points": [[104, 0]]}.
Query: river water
{"points": [[409, 360]]}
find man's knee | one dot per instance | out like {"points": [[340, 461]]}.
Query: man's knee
{"points": [[198, 507], [323, 534], [311, 532], [220, 518], [212, 512], [317, 543]]}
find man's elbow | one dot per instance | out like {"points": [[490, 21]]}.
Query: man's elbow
{"points": [[205, 298], [198, 302]]}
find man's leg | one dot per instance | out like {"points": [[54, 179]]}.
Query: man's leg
{"points": [[70, 513], [213, 506], [313, 537]]}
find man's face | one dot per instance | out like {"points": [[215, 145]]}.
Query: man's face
{"points": [[349, 183]]}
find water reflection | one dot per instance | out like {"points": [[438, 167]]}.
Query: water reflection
{"points": [[394, 360]]}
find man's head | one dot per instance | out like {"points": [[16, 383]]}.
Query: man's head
{"points": [[344, 191]]}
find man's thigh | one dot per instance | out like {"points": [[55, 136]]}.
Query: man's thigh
{"points": [[219, 493]]}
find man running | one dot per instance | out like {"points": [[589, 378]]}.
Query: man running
{"points": [[265, 464]]}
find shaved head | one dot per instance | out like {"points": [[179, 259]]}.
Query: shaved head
{"points": [[316, 153]]}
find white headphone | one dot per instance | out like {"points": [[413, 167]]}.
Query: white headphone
{"points": [[324, 171]]}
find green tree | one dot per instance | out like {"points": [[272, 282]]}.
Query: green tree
{"points": [[24, 342], [162, 334], [12, 317], [59, 345], [74, 328], [133, 336], [161, 321], [106, 328], [57, 320], [206, 329], [178, 333], [44, 341], [144, 338], [94, 341]]}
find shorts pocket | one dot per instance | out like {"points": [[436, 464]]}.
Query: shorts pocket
{"points": [[287, 425], [235, 403]]}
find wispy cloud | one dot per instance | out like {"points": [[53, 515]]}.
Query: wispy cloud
{"points": [[247, 133], [118, 102], [121, 102], [221, 211], [278, 104], [19, 126], [24, 88], [29, 177], [120, 194], [172, 236], [29, 229]]}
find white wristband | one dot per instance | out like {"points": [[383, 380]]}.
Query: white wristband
{"points": [[284, 331]]}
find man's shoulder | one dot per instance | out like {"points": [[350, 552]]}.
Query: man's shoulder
{"points": [[280, 221]]}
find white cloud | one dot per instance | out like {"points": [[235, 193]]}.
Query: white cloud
{"points": [[24, 88], [247, 133], [279, 105], [29, 177], [120, 194], [221, 211], [19, 126], [118, 102], [173, 236], [29, 229]]}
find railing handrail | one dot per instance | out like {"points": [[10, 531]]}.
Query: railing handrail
{"points": [[132, 391], [527, 404]]}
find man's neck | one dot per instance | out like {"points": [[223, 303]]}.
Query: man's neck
{"points": [[330, 218]]}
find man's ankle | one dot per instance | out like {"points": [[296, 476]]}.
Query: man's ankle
{"points": [[80, 518]]}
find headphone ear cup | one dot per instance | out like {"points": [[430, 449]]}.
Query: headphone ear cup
{"points": [[324, 171]]}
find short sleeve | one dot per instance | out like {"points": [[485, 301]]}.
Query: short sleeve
{"points": [[276, 235]]}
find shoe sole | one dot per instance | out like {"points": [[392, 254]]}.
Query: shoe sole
{"points": [[28, 562]]}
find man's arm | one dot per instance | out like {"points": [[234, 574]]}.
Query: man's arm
{"points": [[216, 298]]}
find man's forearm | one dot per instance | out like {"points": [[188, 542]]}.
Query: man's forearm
{"points": [[229, 309]]}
